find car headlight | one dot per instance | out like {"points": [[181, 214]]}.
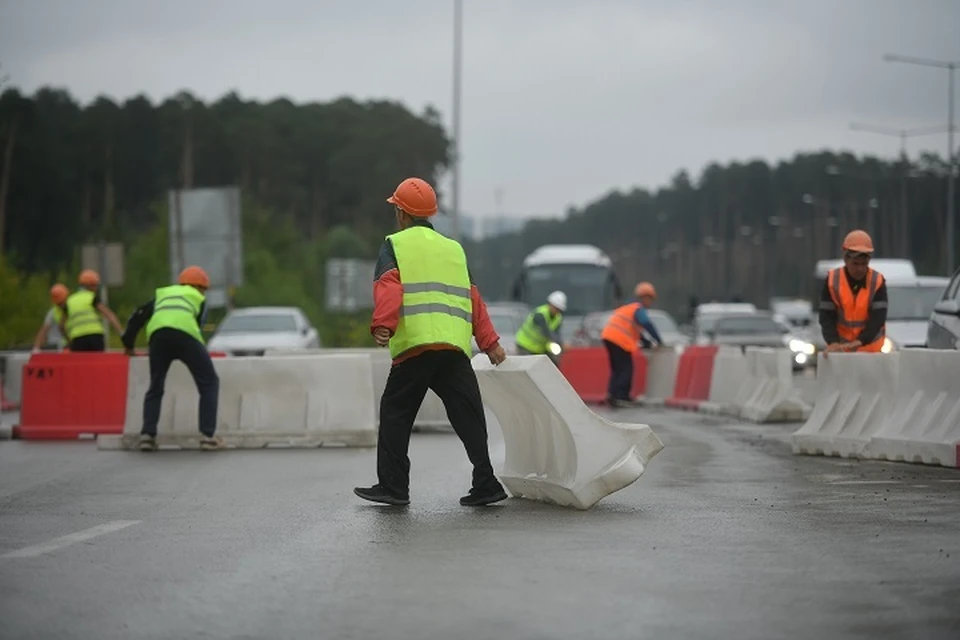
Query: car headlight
{"points": [[888, 346], [554, 348], [802, 346]]}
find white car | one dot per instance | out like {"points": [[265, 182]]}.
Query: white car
{"points": [[943, 330], [251, 331]]}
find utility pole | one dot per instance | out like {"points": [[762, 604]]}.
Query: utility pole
{"points": [[457, 64], [951, 164]]}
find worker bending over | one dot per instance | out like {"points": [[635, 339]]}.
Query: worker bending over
{"points": [[621, 335], [82, 323], [426, 308], [49, 332], [542, 326], [173, 318], [853, 303]]}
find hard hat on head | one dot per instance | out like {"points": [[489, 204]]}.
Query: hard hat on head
{"points": [[416, 197], [558, 299], [58, 293], [645, 289], [195, 276], [89, 278], [858, 241]]}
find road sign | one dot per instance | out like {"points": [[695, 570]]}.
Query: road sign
{"points": [[106, 259], [349, 284]]}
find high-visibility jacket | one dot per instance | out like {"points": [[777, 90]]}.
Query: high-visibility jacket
{"points": [[530, 336], [853, 310], [437, 307], [82, 316], [622, 328], [177, 307]]}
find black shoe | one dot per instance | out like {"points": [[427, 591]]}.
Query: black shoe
{"points": [[376, 493], [477, 499]]}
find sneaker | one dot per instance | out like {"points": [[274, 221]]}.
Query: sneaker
{"points": [[617, 403], [480, 499], [210, 443], [376, 493], [147, 443]]}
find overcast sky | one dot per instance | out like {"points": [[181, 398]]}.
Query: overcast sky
{"points": [[563, 100]]}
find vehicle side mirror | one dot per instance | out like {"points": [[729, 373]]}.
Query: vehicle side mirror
{"points": [[947, 308]]}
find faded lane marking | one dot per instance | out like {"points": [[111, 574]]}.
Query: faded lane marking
{"points": [[73, 538]]}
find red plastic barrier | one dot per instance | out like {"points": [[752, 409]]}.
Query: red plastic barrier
{"points": [[66, 395], [692, 385], [587, 369]]}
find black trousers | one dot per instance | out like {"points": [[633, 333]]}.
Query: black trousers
{"points": [[167, 345], [621, 371], [93, 342], [452, 378]]}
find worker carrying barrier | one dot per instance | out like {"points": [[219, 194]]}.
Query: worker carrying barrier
{"points": [[855, 394], [694, 374], [766, 393], [923, 425], [557, 449], [267, 401], [587, 369]]}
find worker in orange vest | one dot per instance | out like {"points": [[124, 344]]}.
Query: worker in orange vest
{"points": [[853, 304], [621, 335]]}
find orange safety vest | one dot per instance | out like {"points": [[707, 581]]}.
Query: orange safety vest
{"points": [[621, 329], [853, 310]]}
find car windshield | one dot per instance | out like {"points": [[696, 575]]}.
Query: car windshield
{"points": [[505, 324], [746, 325], [258, 322], [707, 321], [587, 286], [663, 322], [912, 303]]}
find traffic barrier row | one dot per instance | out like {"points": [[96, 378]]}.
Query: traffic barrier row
{"points": [[557, 449], [11, 378], [902, 406], [587, 369], [263, 402]]}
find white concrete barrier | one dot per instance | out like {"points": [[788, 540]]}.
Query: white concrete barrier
{"points": [[661, 375], [766, 392], [855, 394], [432, 415], [726, 380], [558, 450], [924, 423], [13, 375], [266, 401]]}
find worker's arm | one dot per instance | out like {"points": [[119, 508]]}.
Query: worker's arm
{"points": [[107, 313], [483, 331], [541, 323], [828, 316], [139, 318], [877, 317], [44, 329], [642, 318], [387, 291]]}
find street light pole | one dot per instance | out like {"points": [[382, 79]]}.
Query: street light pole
{"points": [[951, 165], [457, 63]]}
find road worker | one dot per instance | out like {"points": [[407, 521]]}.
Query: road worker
{"points": [[542, 326], [853, 303], [623, 332], [426, 308], [81, 321], [49, 332], [173, 318]]}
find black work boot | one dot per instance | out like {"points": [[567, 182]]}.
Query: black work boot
{"points": [[376, 493], [482, 498]]}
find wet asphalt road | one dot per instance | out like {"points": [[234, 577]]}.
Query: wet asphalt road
{"points": [[727, 535]]}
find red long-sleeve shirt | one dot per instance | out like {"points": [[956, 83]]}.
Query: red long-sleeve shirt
{"points": [[388, 299]]}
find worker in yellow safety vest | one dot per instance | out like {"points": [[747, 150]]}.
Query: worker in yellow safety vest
{"points": [[49, 332], [81, 321], [542, 326], [173, 317], [426, 309]]}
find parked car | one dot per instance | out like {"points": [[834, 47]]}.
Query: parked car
{"points": [[943, 327], [588, 334], [761, 329], [707, 315], [507, 317], [253, 330]]}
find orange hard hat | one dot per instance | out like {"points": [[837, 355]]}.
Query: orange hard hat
{"points": [[58, 293], [416, 197], [645, 289], [89, 278], [195, 276], [859, 241]]}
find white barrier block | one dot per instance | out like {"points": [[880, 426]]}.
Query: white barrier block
{"points": [[265, 401], [661, 375], [13, 378], [558, 450], [767, 393], [729, 373], [855, 393], [924, 424]]}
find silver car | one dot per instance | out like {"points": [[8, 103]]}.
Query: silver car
{"points": [[253, 330], [943, 328], [507, 317]]}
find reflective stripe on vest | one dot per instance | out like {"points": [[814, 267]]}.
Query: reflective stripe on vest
{"points": [[530, 336], [82, 316], [437, 304], [177, 307], [853, 310], [622, 330]]}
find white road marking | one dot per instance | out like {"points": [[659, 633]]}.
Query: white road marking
{"points": [[950, 481], [867, 482], [73, 538]]}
